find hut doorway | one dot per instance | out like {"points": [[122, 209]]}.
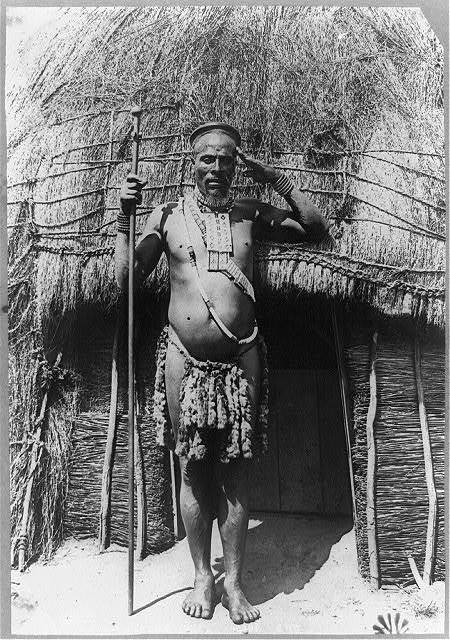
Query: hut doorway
{"points": [[306, 469]]}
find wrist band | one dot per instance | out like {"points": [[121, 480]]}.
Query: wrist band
{"points": [[123, 223], [283, 186]]}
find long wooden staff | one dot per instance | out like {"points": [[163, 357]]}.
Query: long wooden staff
{"points": [[136, 113]]}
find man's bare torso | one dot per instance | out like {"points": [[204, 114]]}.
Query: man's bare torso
{"points": [[188, 313]]}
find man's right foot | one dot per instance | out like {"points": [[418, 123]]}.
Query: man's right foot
{"points": [[201, 601]]}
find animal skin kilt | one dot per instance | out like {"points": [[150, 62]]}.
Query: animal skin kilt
{"points": [[215, 407]]}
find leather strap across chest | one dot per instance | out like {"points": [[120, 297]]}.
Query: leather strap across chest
{"points": [[207, 301]]}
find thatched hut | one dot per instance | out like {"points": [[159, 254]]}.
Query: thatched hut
{"points": [[348, 101]]}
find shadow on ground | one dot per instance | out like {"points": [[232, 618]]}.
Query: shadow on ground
{"points": [[283, 554]]}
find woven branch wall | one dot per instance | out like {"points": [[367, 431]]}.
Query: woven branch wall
{"points": [[83, 502], [81, 518], [401, 498]]}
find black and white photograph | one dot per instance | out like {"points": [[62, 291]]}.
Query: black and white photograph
{"points": [[226, 271]]}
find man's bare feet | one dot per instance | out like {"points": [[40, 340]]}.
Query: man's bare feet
{"points": [[239, 607], [200, 602]]}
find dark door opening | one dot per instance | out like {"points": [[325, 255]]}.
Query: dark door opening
{"points": [[306, 468]]}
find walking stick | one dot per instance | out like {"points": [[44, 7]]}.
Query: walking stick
{"points": [[136, 113]]}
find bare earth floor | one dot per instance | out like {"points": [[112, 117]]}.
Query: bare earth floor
{"points": [[300, 571]]}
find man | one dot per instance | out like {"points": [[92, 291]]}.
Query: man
{"points": [[210, 387]]}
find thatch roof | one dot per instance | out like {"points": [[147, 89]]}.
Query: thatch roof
{"points": [[348, 100]]}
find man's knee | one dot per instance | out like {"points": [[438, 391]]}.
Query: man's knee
{"points": [[195, 473], [232, 477]]}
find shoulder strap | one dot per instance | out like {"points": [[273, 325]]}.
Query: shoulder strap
{"points": [[234, 273]]}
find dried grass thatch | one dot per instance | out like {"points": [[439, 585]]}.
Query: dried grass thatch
{"points": [[347, 100]]}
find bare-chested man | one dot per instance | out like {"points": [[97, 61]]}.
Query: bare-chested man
{"points": [[210, 375]]}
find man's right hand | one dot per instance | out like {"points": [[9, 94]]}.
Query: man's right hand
{"points": [[131, 193]]}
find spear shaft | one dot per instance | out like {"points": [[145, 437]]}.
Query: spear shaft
{"points": [[136, 113]]}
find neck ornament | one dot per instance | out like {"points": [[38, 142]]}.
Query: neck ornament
{"points": [[216, 232], [208, 203]]}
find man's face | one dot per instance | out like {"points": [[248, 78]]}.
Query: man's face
{"points": [[214, 163]]}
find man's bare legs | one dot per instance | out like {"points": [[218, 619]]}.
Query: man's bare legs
{"points": [[232, 480], [233, 525], [196, 511], [197, 491]]}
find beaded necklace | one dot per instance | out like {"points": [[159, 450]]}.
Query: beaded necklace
{"points": [[222, 205], [214, 224]]}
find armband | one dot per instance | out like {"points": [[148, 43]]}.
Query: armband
{"points": [[283, 186], [123, 223]]}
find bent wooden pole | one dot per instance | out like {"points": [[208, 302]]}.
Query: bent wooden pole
{"points": [[104, 533], [36, 453], [343, 385], [136, 113], [430, 550], [371, 470]]}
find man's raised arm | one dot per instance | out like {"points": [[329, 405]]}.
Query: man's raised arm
{"points": [[149, 249], [302, 216]]}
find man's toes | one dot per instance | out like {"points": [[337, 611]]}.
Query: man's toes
{"points": [[206, 613], [237, 618], [251, 615], [248, 616], [198, 611]]}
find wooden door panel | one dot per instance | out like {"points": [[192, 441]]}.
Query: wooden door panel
{"points": [[299, 444], [305, 469], [333, 453], [264, 476]]}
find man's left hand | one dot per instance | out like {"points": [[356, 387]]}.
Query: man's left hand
{"points": [[257, 170]]}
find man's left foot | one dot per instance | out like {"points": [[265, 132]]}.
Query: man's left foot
{"points": [[239, 607]]}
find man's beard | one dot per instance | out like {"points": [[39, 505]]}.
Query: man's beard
{"points": [[215, 203]]}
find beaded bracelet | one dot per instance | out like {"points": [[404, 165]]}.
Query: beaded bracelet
{"points": [[123, 223], [283, 186]]}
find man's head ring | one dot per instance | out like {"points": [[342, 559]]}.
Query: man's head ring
{"points": [[215, 126]]}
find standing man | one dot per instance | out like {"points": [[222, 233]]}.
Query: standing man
{"points": [[211, 382]]}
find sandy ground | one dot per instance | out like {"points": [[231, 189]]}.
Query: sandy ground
{"points": [[300, 571]]}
